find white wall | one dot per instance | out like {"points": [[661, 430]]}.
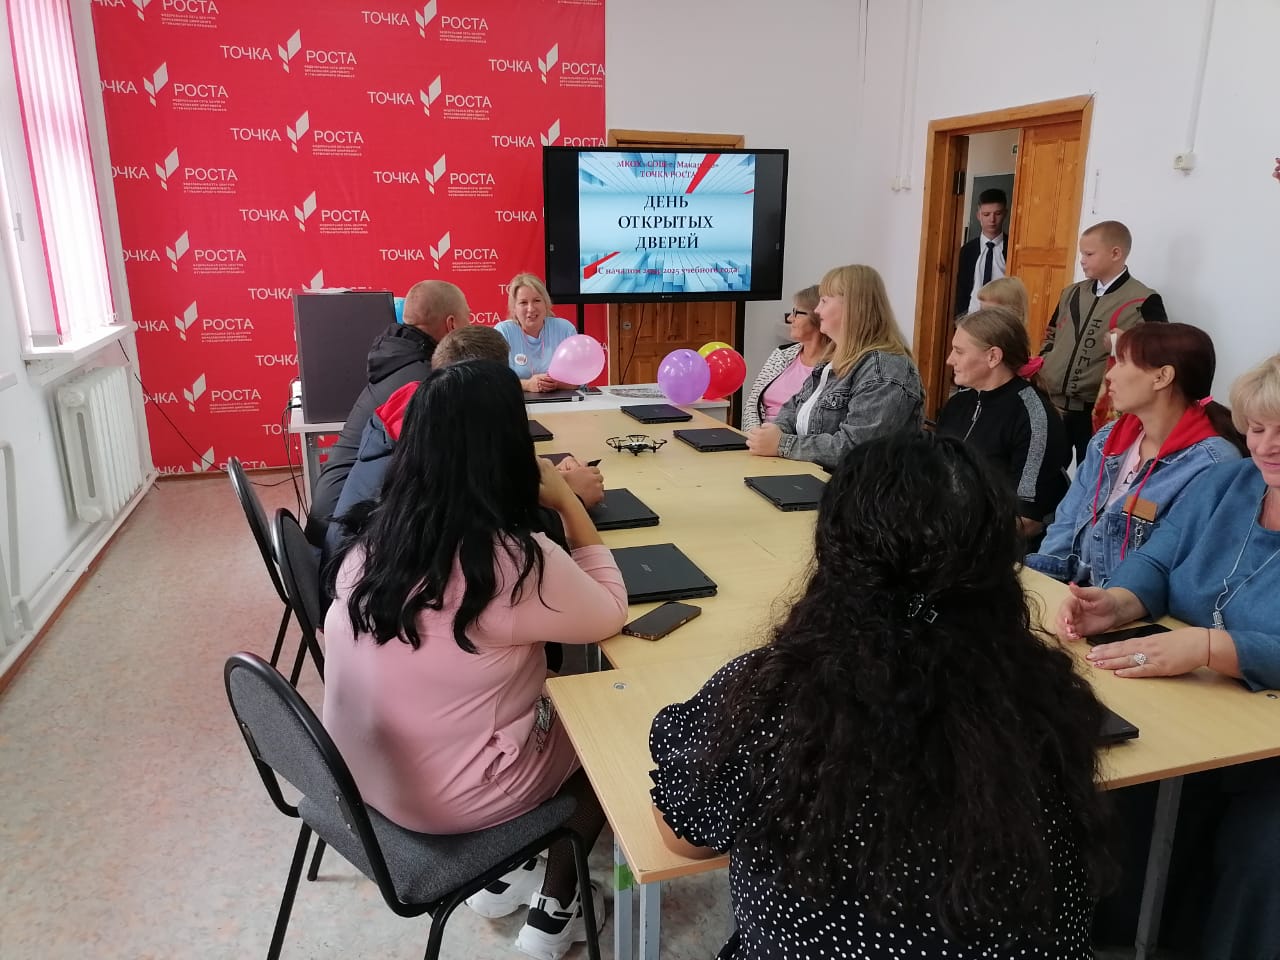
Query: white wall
{"points": [[781, 74], [1209, 241], [54, 545]]}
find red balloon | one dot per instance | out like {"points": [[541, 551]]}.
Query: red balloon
{"points": [[728, 373]]}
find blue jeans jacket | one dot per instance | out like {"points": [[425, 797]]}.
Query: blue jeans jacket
{"points": [[1077, 550]]}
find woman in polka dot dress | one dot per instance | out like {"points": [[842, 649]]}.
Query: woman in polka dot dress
{"points": [[906, 769]]}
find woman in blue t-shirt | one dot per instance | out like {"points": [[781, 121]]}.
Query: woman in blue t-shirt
{"points": [[533, 334]]}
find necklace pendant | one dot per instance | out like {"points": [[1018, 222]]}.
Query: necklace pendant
{"points": [[1218, 622]]}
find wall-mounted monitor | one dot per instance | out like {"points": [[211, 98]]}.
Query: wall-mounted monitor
{"points": [[629, 226]]}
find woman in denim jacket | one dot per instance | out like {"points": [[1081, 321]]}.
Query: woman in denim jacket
{"points": [[870, 387], [1137, 467]]}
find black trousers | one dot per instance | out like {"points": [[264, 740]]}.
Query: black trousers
{"points": [[1079, 424]]}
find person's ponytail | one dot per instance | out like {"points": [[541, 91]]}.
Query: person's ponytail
{"points": [[1220, 419]]}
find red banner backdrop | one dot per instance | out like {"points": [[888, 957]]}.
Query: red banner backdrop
{"points": [[260, 149]]}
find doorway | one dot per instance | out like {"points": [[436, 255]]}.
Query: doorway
{"points": [[1043, 227], [641, 334]]}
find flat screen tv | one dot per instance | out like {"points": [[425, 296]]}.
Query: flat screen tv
{"points": [[629, 226]]}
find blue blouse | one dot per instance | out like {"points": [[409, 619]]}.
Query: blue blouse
{"points": [[530, 355], [1212, 535]]}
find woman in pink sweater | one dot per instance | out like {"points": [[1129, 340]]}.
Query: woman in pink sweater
{"points": [[444, 597]]}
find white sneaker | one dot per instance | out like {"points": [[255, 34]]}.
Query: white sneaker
{"points": [[552, 928], [509, 892]]}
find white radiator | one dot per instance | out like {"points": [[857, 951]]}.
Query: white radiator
{"points": [[100, 441]]}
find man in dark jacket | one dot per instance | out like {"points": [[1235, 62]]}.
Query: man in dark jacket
{"points": [[400, 355], [983, 258]]}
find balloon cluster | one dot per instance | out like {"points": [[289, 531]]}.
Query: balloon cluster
{"points": [[711, 372]]}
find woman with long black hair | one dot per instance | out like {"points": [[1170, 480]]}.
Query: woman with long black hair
{"points": [[444, 599], [907, 768]]}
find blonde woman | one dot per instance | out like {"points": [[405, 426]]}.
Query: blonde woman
{"points": [[1007, 292], [869, 388], [533, 333], [787, 368]]}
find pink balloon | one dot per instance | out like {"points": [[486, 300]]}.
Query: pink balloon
{"points": [[683, 376], [579, 359]]}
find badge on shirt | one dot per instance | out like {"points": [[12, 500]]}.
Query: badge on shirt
{"points": [[1135, 506], [521, 360]]}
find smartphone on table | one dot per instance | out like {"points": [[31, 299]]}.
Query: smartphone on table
{"points": [[660, 621], [1128, 633]]}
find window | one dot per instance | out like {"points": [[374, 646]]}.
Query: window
{"points": [[65, 241]]}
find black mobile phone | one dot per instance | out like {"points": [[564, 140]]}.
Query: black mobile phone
{"points": [[660, 621], [1128, 633]]}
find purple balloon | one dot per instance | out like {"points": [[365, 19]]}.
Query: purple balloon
{"points": [[683, 376], [579, 359]]}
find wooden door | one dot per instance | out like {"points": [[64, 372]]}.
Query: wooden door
{"points": [[1046, 217], [647, 332], [641, 334]]}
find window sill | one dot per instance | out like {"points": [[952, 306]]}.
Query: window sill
{"points": [[47, 364]]}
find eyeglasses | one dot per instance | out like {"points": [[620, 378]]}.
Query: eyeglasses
{"points": [[793, 312]]}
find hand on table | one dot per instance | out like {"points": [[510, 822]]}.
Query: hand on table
{"points": [[762, 441], [541, 383], [1087, 612], [1163, 654], [587, 483]]}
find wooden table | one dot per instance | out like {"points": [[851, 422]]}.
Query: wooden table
{"points": [[758, 555]]}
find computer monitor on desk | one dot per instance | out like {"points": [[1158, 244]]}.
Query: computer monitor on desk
{"points": [[334, 332]]}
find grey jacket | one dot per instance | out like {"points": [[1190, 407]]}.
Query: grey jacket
{"points": [[880, 395]]}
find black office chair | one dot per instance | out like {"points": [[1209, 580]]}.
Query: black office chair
{"points": [[416, 873], [300, 573], [257, 518]]}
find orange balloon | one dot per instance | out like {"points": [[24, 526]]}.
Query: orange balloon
{"points": [[707, 349]]}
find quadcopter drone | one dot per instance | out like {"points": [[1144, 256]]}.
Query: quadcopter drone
{"points": [[634, 443]]}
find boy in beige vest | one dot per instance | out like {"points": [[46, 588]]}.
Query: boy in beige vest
{"points": [[1077, 341]]}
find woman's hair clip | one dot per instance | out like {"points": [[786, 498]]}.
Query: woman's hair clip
{"points": [[1204, 403], [919, 609]]}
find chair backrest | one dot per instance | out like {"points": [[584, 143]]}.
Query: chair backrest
{"points": [[257, 517], [286, 739], [299, 570]]}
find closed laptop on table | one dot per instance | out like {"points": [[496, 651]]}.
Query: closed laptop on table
{"points": [[656, 413], [1116, 729], [621, 510], [712, 439], [660, 571], [797, 491], [553, 396], [539, 432]]}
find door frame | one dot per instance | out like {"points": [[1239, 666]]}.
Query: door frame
{"points": [[945, 153]]}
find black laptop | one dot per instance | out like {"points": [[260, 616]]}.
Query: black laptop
{"points": [[712, 439], [620, 510], [1116, 729], [539, 432], [797, 491], [553, 396], [661, 572], [656, 413]]}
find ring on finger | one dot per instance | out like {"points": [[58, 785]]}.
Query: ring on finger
{"points": [[1139, 659]]}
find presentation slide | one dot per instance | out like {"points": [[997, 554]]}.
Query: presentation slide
{"points": [[665, 223]]}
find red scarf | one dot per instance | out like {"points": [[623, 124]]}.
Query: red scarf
{"points": [[1192, 427]]}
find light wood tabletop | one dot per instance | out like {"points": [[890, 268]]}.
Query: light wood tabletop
{"points": [[1187, 724], [751, 549]]}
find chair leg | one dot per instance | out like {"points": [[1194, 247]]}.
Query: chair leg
{"points": [[317, 655], [290, 889], [436, 938], [284, 626], [296, 672], [315, 860], [584, 889]]}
